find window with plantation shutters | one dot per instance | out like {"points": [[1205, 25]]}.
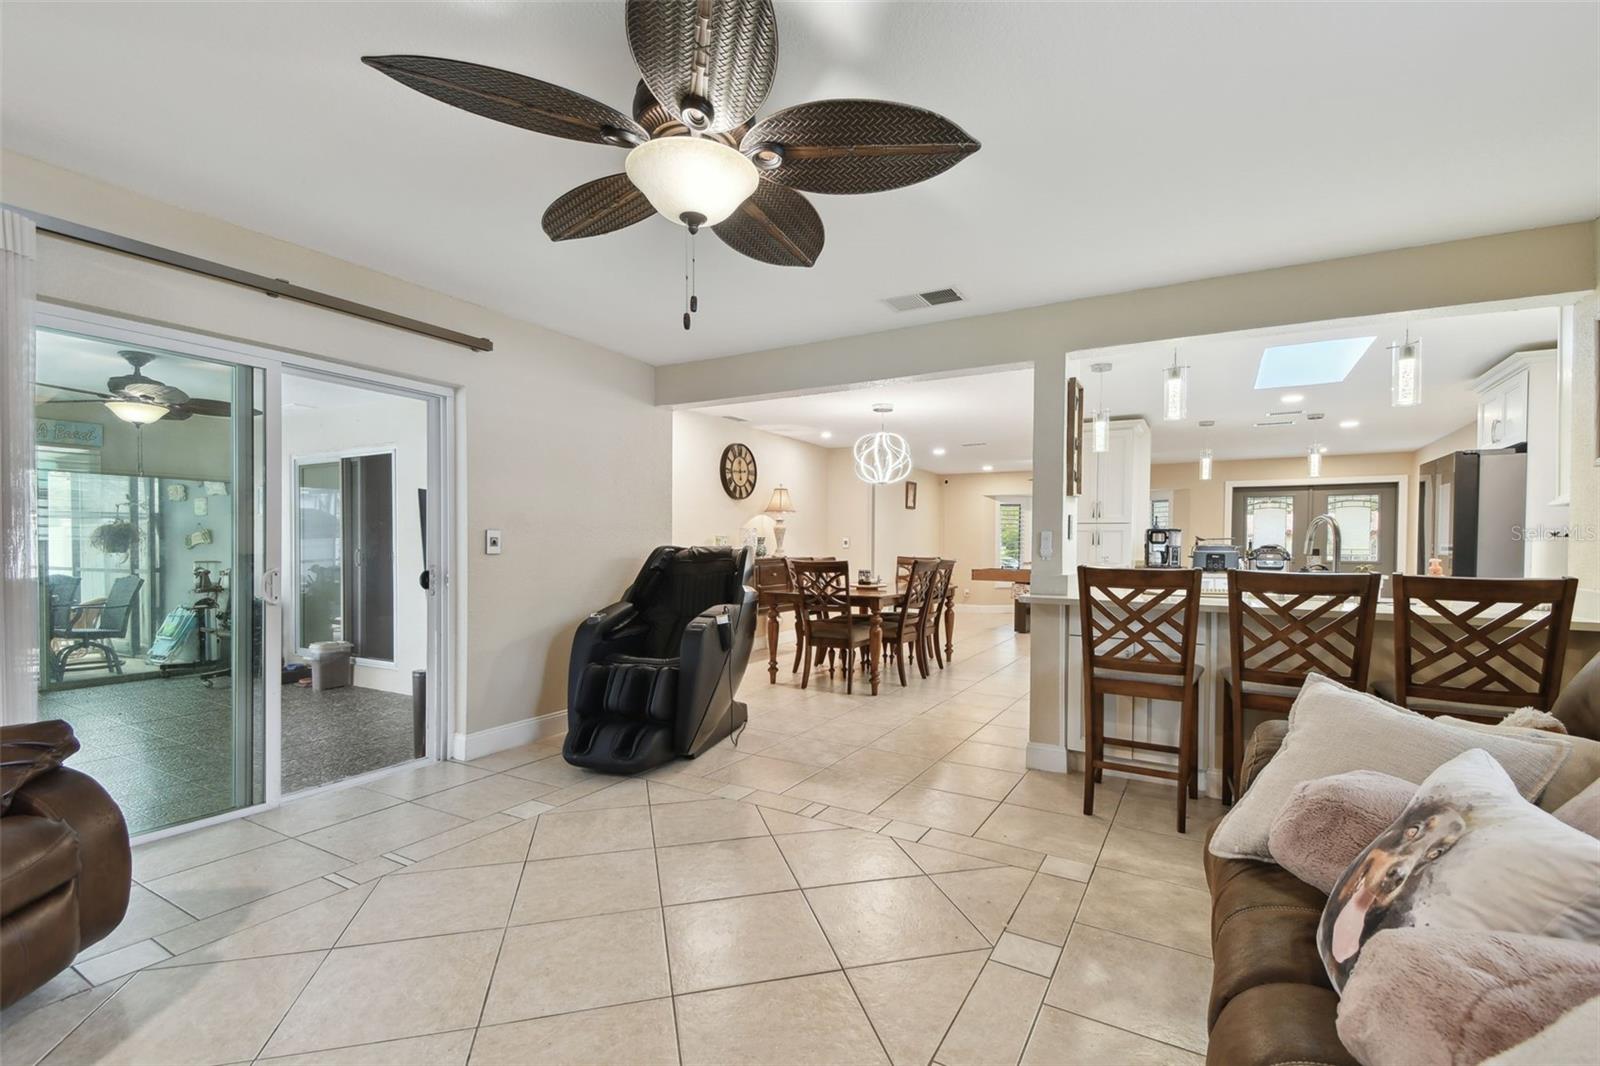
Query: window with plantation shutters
{"points": [[1013, 534]]}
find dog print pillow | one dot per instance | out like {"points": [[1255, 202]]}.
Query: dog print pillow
{"points": [[1468, 853]]}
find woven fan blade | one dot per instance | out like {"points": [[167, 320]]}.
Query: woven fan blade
{"points": [[596, 207], [512, 98], [732, 72], [852, 146], [220, 408], [776, 225]]}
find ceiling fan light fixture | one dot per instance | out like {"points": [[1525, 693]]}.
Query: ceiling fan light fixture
{"points": [[138, 412], [692, 178], [767, 156]]}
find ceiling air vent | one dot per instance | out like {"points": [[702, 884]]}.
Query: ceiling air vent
{"points": [[918, 300], [1274, 422]]}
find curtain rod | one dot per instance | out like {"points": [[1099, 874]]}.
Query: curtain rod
{"points": [[275, 287]]}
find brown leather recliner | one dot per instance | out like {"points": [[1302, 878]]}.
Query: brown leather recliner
{"points": [[65, 865]]}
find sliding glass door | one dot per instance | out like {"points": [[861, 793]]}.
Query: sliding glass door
{"points": [[151, 468]]}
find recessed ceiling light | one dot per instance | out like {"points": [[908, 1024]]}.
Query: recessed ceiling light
{"points": [[987, 468], [827, 434], [1350, 423], [938, 451], [1291, 397]]}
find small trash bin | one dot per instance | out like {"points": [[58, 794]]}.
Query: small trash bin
{"points": [[332, 664]]}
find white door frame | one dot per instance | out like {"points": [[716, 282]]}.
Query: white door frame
{"points": [[442, 555]]}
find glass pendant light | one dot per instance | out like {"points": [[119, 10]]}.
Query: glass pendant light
{"points": [[1100, 427], [1205, 453], [1174, 391], [882, 458], [1313, 453], [1405, 373], [693, 181]]}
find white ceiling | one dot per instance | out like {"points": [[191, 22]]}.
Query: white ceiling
{"points": [[1125, 145], [996, 409]]}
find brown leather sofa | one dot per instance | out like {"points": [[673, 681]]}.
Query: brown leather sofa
{"points": [[1271, 1002], [65, 865]]}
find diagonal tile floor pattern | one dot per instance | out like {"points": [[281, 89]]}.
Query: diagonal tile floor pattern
{"points": [[859, 880]]}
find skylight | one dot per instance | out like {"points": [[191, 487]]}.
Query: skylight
{"points": [[1316, 363]]}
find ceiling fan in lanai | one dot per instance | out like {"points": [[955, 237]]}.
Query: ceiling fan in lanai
{"points": [[696, 153]]}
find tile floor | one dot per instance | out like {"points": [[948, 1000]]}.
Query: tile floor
{"points": [[872, 880]]}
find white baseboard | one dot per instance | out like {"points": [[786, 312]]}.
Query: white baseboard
{"points": [[1051, 757], [467, 746], [983, 608]]}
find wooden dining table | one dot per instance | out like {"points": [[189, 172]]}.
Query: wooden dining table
{"points": [[869, 600]]}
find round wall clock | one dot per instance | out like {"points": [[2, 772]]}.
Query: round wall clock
{"points": [[738, 471]]}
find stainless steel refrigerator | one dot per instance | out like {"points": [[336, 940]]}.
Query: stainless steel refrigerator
{"points": [[1471, 508]]}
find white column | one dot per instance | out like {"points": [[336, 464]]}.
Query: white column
{"points": [[1047, 694], [19, 594]]}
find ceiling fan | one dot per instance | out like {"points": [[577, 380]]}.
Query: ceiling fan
{"points": [[141, 400], [695, 155]]}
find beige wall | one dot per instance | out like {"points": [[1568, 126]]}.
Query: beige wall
{"points": [[1199, 508], [900, 531], [559, 443], [701, 510], [969, 528]]}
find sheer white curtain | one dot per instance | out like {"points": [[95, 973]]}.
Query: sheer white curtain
{"points": [[19, 598]]}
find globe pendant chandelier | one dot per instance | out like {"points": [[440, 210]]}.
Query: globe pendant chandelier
{"points": [[882, 458]]}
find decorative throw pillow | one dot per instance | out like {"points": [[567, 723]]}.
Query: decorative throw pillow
{"points": [[1468, 854], [1334, 729], [1569, 1041], [1582, 811], [1438, 997], [1327, 822], [1577, 771]]}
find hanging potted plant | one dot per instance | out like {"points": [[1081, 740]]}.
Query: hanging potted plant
{"points": [[117, 537]]}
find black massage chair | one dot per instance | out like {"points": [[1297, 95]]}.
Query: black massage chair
{"points": [[653, 676]]}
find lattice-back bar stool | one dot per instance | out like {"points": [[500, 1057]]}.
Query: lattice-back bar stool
{"points": [[1282, 627], [1139, 630], [1479, 647]]}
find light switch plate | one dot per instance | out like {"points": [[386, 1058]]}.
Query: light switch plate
{"points": [[1047, 543], [491, 542], [845, 544]]}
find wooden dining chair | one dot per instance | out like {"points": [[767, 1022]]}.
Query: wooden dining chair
{"points": [[826, 620], [1139, 629], [905, 628], [940, 607], [1479, 648], [1282, 627]]}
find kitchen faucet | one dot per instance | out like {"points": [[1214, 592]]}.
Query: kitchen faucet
{"points": [[1334, 545]]}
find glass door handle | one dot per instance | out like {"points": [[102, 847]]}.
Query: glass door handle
{"points": [[269, 587]]}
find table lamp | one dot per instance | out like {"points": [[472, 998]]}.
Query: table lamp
{"points": [[779, 506]]}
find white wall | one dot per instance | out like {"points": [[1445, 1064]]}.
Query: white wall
{"points": [[558, 444], [383, 423], [970, 515], [701, 510]]}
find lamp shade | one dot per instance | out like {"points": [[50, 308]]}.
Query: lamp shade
{"points": [[780, 502], [138, 412], [691, 176]]}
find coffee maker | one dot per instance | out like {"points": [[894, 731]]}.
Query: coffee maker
{"points": [[1163, 547]]}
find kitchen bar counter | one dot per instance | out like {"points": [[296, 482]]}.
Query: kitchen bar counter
{"points": [[1139, 720]]}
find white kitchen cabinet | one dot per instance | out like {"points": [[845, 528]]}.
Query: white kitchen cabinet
{"points": [[1114, 510], [1107, 544], [1503, 409]]}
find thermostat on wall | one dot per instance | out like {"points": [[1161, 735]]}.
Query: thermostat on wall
{"points": [[491, 542]]}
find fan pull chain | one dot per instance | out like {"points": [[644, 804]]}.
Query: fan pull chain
{"points": [[688, 252], [694, 277]]}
